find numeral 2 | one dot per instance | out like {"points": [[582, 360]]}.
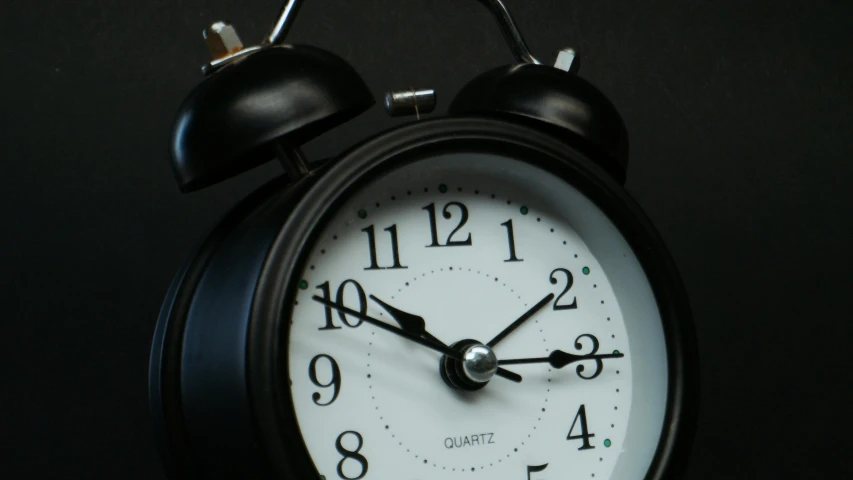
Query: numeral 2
{"points": [[395, 248], [351, 454], [584, 435], [339, 299], [433, 227], [570, 280]]}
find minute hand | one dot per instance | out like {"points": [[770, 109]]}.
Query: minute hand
{"points": [[526, 316]]}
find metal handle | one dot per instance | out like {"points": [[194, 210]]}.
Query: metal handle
{"points": [[510, 31]]}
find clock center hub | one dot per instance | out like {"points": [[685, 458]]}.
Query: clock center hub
{"points": [[473, 370], [479, 363]]}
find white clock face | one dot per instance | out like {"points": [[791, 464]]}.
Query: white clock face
{"points": [[470, 243]]}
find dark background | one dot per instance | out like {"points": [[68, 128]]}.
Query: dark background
{"points": [[739, 119]]}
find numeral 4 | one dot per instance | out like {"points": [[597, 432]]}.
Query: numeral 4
{"points": [[584, 436]]}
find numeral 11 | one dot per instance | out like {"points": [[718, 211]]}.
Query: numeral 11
{"points": [[395, 248]]}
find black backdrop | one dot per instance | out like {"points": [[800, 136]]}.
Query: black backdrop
{"points": [[740, 136]]}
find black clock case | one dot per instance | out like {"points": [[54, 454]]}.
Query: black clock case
{"points": [[218, 381]]}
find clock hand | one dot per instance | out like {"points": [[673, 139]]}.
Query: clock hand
{"points": [[559, 358], [520, 320], [395, 330], [416, 325], [409, 322]]}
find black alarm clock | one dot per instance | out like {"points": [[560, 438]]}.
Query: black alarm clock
{"points": [[473, 296]]}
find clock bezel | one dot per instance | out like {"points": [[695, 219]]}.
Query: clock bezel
{"points": [[269, 325]]}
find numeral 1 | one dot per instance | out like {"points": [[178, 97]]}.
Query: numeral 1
{"points": [[584, 435], [395, 249], [511, 238]]}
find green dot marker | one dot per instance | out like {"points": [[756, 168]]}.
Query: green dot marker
{"points": [[607, 443], [362, 213], [322, 477], [585, 270], [442, 188], [615, 352], [303, 285], [524, 210]]}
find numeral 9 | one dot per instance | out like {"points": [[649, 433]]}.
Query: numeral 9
{"points": [[335, 382]]}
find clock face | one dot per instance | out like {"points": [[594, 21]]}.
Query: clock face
{"points": [[474, 316]]}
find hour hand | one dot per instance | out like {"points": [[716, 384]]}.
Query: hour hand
{"points": [[415, 325], [409, 322]]}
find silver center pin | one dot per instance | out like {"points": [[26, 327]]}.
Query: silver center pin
{"points": [[479, 363]]}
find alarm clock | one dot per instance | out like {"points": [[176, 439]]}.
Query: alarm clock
{"points": [[471, 296]]}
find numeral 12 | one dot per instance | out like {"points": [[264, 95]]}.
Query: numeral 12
{"points": [[446, 214]]}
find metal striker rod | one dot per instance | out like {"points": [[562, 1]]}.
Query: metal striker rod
{"points": [[285, 20], [410, 102], [510, 31], [291, 159]]}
